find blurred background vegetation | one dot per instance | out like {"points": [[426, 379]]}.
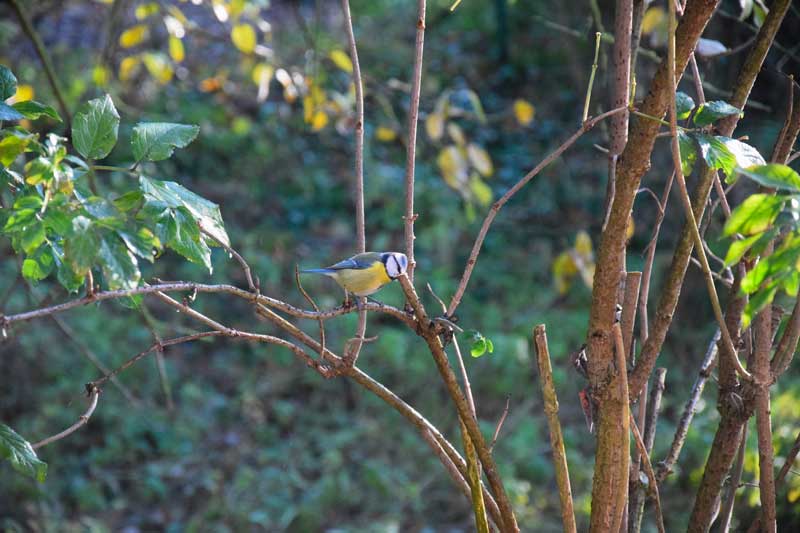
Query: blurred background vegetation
{"points": [[232, 436]]}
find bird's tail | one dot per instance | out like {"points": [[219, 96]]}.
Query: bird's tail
{"points": [[317, 271]]}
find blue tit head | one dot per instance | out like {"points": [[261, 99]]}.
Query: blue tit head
{"points": [[395, 263]]}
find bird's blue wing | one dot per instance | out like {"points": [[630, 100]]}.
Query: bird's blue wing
{"points": [[349, 264]]}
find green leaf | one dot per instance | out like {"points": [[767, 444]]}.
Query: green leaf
{"points": [[32, 236], [9, 113], [64, 273], [780, 263], [81, 247], [33, 110], [715, 153], [11, 147], [746, 155], [688, 153], [758, 302], [173, 195], [155, 141], [684, 105], [60, 222], [754, 215], [39, 265], [142, 242], [28, 201], [19, 220], [129, 200], [710, 112], [95, 128], [120, 268], [740, 247], [8, 83], [184, 237], [489, 346], [478, 347], [20, 453], [774, 176]]}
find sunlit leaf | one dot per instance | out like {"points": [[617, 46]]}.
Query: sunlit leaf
{"points": [[523, 111], [145, 10], [319, 120], [341, 59], [133, 36], [95, 128], [654, 18], [23, 94], [154, 141], [100, 75], [20, 454], [127, 67], [583, 245], [244, 38], [740, 247], [453, 166], [564, 270], [32, 110], [81, 245], [710, 112], [688, 153], [746, 155], [758, 302], [262, 73], [159, 67], [754, 215], [385, 134], [176, 51], [456, 133], [434, 126], [10, 148], [481, 191], [183, 236], [760, 12], [480, 159], [715, 153], [774, 176]]}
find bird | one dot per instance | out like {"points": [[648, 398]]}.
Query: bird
{"points": [[366, 273]]}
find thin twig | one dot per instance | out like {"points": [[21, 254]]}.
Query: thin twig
{"points": [[411, 145], [648, 470], [556, 438], [487, 222], [351, 356], [650, 424], [41, 51], [93, 393], [313, 305], [591, 77], [236, 255], [500, 423], [707, 366]]}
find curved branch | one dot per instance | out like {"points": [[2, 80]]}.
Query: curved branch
{"points": [[487, 222], [93, 393]]}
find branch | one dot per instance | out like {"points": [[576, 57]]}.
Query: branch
{"points": [[636, 504], [648, 470], [93, 393], [41, 51], [239, 259], [787, 465], [411, 145], [351, 356], [726, 508], [487, 222], [556, 438], [427, 330], [707, 366]]}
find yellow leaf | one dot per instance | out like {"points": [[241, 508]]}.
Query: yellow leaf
{"points": [[158, 67], [384, 134], [629, 231], [23, 94], [523, 111], [341, 60], [210, 85], [564, 269], [583, 244], [434, 125], [176, 51], [319, 120], [456, 133], [793, 495], [480, 159], [235, 8], [133, 36], [453, 166], [127, 67], [481, 191], [262, 73], [145, 10], [654, 18], [100, 75], [244, 38]]}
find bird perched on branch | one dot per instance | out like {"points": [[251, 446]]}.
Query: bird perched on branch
{"points": [[366, 273]]}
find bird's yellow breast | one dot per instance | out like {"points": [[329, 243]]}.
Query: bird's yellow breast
{"points": [[363, 282]]}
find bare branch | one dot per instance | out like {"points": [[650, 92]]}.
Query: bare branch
{"points": [[411, 145], [556, 438], [648, 470], [239, 259], [726, 506], [93, 393], [487, 222]]}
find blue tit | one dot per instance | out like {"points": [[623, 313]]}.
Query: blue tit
{"points": [[366, 273]]}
